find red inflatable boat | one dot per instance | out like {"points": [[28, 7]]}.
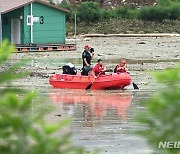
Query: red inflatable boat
{"points": [[111, 81]]}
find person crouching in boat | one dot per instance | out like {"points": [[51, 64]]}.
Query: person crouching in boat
{"points": [[87, 56], [98, 69], [120, 68]]}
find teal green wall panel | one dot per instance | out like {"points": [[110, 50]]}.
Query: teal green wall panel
{"points": [[53, 28], [55, 40], [6, 23], [47, 28]]}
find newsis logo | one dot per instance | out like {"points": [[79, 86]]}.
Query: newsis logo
{"points": [[169, 144]]}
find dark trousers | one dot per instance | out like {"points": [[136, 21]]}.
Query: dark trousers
{"points": [[86, 70]]}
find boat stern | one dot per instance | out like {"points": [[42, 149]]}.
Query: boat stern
{"points": [[121, 80]]}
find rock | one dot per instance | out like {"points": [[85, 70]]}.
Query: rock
{"points": [[129, 32], [141, 32], [87, 39], [141, 43], [111, 54]]}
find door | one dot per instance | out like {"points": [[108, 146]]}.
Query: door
{"points": [[15, 31]]}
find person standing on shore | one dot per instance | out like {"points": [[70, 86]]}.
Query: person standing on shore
{"points": [[87, 56]]}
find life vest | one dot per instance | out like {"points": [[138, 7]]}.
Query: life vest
{"points": [[120, 71]]}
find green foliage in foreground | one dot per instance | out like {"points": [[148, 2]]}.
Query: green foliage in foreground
{"points": [[11, 73], [162, 117], [21, 130]]}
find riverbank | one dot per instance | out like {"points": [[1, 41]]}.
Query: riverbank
{"points": [[115, 26], [133, 35], [143, 54]]}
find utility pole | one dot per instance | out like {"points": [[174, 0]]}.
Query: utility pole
{"points": [[31, 8], [75, 20], [0, 27], [75, 28]]}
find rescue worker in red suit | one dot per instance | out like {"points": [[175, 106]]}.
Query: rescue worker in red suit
{"points": [[98, 69], [120, 68]]}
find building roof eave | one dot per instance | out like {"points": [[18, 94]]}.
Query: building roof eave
{"points": [[37, 1]]}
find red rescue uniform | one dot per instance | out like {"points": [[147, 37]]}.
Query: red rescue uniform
{"points": [[97, 69], [120, 69]]}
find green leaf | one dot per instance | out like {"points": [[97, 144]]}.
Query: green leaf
{"points": [[12, 74], [5, 49], [27, 101], [49, 129], [162, 117]]}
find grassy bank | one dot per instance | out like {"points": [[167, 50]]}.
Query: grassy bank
{"points": [[125, 26]]}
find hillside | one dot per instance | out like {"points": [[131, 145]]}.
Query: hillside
{"points": [[125, 26]]}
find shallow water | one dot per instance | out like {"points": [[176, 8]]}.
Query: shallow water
{"points": [[103, 119]]}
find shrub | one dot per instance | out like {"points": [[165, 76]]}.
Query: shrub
{"points": [[122, 12], [70, 15], [164, 2], [107, 14], [89, 12], [132, 13], [175, 12], [151, 13], [162, 117]]}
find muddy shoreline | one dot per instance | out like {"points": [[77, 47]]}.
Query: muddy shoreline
{"points": [[141, 53]]}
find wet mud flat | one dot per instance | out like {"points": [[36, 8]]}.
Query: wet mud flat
{"points": [[141, 53], [105, 119]]}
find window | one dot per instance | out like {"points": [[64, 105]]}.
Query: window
{"points": [[29, 20]]}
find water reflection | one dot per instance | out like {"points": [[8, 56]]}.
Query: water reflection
{"points": [[92, 103]]}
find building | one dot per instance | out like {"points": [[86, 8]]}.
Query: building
{"points": [[32, 22]]}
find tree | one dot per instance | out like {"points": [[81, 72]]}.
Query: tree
{"points": [[88, 11]]}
